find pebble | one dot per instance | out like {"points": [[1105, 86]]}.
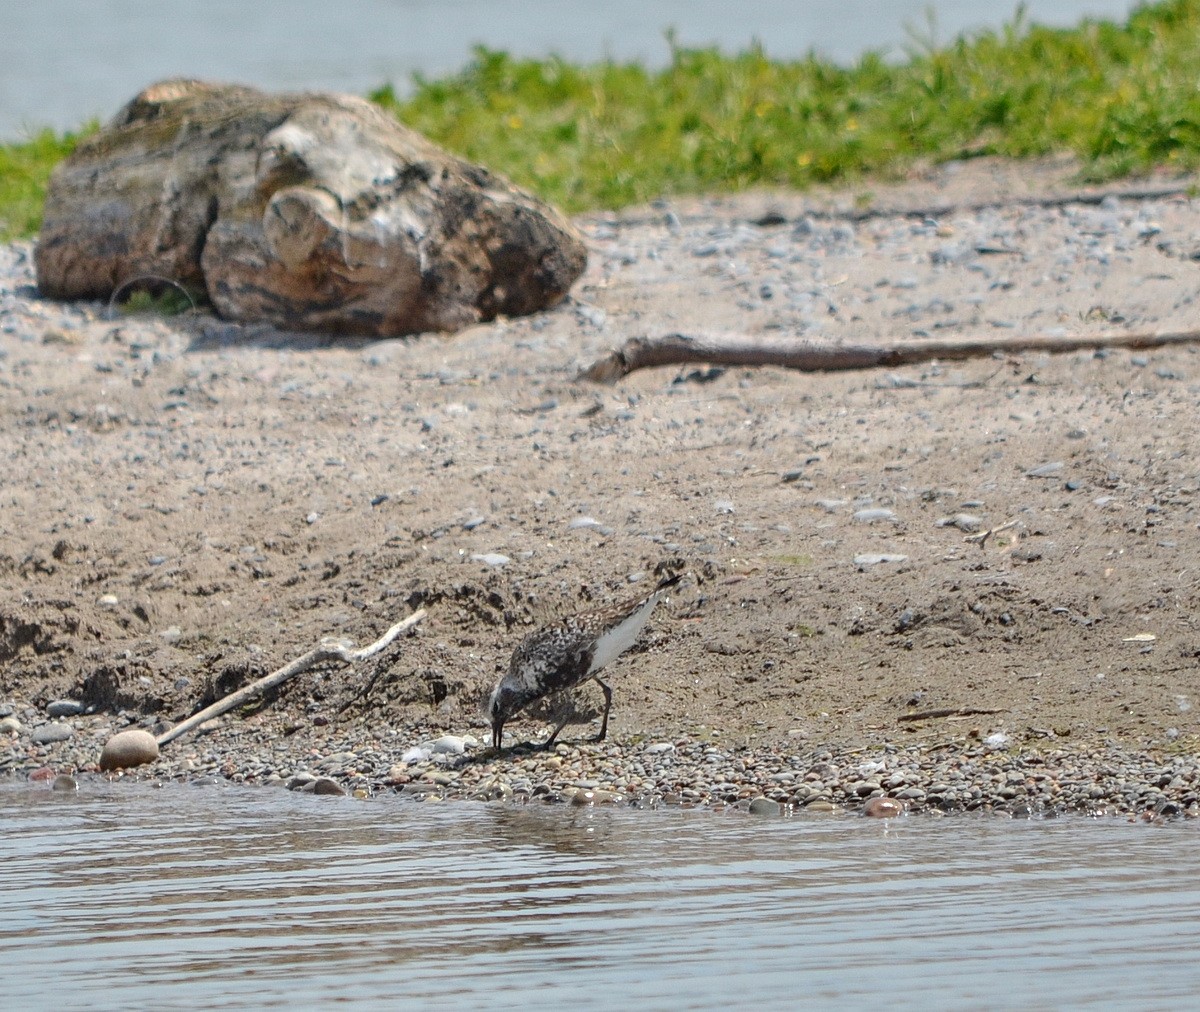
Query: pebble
{"points": [[491, 559], [48, 734], [764, 806], [64, 708], [883, 808], [873, 515], [448, 744], [128, 748], [875, 558], [325, 785]]}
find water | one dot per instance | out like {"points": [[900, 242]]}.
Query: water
{"points": [[64, 62], [126, 895]]}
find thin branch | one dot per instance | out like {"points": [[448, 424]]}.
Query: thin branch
{"points": [[327, 651], [961, 711], [741, 350]]}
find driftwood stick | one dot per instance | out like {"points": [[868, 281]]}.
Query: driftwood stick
{"points": [[954, 711], [329, 650], [739, 350]]}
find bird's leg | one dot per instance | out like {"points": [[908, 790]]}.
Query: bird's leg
{"points": [[607, 707], [549, 742]]}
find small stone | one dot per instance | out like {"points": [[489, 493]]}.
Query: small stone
{"points": [[39, 775], [1047, 470], [324, 785], [449, 744], [64, 783], [883, 808], [128, 748], [48, 734], [873, 516], [765, 806], [963, 521], [582, 798], [875, 558], [64, 708], [9, 725], [491, 559], [584, 524]]}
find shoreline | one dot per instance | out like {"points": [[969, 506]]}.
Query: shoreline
{"points": [[987, 778], [192, 501]]}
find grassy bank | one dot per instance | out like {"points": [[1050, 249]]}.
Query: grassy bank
{"points": [[1123, 97]]}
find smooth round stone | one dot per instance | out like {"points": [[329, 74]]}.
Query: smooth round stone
{"points": [[9, 725], [765, 806], [819, 806], [324, 785], [128, 748], [581, 798], [883, 808], [44, 773], [64, 708], [449, 744], [48, 734], [64, 783]]}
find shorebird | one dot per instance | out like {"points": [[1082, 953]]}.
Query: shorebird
{"points": [[561, 656]]}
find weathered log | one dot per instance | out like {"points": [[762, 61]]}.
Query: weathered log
{"points": [[314, 212], [740, 350]]}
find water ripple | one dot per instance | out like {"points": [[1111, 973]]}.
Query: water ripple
{"points": [[182, 897]]}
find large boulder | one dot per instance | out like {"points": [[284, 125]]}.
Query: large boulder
{"points": [[310, 211]]}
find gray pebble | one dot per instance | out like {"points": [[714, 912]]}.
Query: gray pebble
{"points": [[765, 806], [875, 558], [64, 708], [48, 734], [325, 785], [873, 515]]}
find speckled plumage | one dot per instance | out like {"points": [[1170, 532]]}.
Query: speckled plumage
{"points": [[561, 656]]}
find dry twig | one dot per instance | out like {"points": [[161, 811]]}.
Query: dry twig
{"points": [[741, 350], [328, 651], [954, 711]]}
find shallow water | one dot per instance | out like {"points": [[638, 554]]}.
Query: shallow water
{"points": [[64, 62], [126, 894]]}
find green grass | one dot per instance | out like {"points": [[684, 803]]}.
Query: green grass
{"points": [[24, 172], [1122, 97]]}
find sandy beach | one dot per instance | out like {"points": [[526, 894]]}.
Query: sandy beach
{"points": [[990, 564]]}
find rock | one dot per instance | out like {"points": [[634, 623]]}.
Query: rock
{"points": [[873, 516], [309, 211], [48, 734], [64, 708], [876, 558], [765, 806], [128, 748], [324, 785], [883, 808], [64, 783], [9, 725], [449, 744]]}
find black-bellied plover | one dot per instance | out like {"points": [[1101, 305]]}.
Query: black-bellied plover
{"points": [[561, 656]]}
